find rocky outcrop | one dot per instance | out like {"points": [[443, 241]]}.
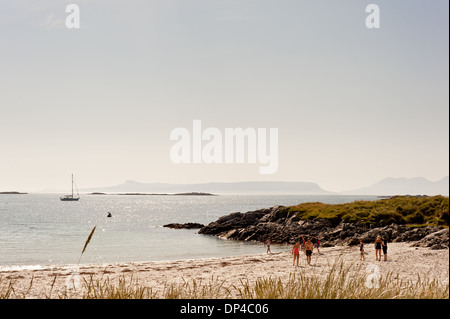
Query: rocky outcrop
{"points": [[435, 240], [184, 226], [282, 226]]}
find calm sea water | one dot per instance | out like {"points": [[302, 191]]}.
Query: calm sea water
{"points": [[39, 229]]}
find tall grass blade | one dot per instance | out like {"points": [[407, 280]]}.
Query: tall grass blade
{"points": [[87, 242]]}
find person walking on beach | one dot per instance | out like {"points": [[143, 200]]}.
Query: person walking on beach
{"points": [[384, 244], [268, 246], [309, 248], [378, 243], [361, 250], [302, 243], [296, 253], [318, 245]]}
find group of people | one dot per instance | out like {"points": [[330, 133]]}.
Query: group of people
{"points": [[307, 246], [380, 244]]}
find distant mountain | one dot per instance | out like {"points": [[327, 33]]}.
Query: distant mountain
{"points": [[405, 186], [236, 187]]}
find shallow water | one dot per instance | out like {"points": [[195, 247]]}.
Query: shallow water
{"points": [[39, 229]]}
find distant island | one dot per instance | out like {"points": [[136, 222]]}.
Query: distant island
{"points": [[158, 194], [195, 194], [385, 187], [262, 187], [12, 193], [404, 186]]}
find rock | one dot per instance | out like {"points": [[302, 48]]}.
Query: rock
{"points": [[353, 241], [416, 233], [233, 221], [346, 234], [223, 224], [185, 226], [435, 240], [438, 246], [282, 226], [228, 234]]}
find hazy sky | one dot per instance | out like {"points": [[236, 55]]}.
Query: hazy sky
{"points": [[352, 105]]}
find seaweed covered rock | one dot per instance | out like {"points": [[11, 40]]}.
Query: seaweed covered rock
{"points": [[184, 226]]}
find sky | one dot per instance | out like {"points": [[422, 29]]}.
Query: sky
{"points": [[352, 105]]}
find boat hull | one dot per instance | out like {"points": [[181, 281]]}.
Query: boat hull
{"points": [[68, 199]]}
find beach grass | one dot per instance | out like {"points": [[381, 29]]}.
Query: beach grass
{"points": [[343, 281], [6, 289], [125, 288], [87, 243], [197, 289]]}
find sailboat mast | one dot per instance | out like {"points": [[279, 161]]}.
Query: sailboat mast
{"points": [[72, 185]]}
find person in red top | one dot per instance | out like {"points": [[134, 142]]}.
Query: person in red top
{"points": [[296, 253]]}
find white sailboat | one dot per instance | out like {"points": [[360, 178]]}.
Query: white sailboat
{"points": [[71, 197]]}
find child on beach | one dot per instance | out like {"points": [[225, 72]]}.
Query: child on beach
{"points": [[361, 250], [296, 253], [268, 246]]}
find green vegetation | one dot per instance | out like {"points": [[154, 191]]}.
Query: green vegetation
{"points": [[412, 211]]}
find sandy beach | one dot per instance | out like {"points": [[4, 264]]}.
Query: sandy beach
{"points": [[404, 262]]}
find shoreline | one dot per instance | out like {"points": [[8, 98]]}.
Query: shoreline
{"points": [[36, 267], [259, 250], [405, 262]]}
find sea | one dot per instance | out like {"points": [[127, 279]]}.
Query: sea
{"points": [[38, 230]]}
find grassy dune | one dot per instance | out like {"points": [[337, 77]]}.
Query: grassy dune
{"points": [[412, 211]]}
